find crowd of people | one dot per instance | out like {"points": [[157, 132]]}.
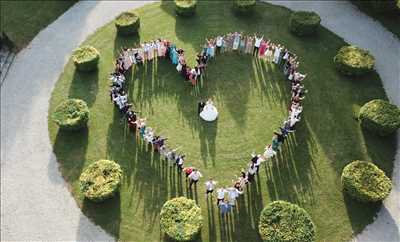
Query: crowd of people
{"points": [[257, 45]]}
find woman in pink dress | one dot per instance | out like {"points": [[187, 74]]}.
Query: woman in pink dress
{"points": [[263, 47]]}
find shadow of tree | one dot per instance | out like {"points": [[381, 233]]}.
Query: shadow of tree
{"points": [[85, 86], [73, 159]]}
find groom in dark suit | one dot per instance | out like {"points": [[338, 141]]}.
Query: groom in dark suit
{"points": [[200, 106]]}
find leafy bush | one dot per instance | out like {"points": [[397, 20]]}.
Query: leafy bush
{"points": [[380, 117], [72, 114], [284, 221], [365, 181], [351, 60], [127, 23], [181, 219], [100, 180], [304, 23], [244, 6], [86, 58], [185, 7]]}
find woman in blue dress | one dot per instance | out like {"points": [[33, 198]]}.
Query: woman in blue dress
{"points": [[174, 55]]}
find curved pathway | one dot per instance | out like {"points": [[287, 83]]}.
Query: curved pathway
{"points": [[344, 19], [35, 201]]}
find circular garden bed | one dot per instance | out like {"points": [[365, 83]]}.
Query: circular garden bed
{"points": [[216, 150]]}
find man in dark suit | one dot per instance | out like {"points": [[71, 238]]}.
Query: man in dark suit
{"points": [[200, 106]]}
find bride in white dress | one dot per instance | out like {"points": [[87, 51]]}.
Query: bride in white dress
{"points": [[210, 112]]}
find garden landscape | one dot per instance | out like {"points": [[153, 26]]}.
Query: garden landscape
{"points": [[203, 121]]}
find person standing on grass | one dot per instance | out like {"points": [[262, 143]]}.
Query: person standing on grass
{"points": [[210, 185], [219, 44], [257, 43], [251, 172], [221, 194], [194, 177]]}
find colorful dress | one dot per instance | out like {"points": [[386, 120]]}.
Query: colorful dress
{"points": [[249, 45], [236, 40], [263, 47], [242, 45]]}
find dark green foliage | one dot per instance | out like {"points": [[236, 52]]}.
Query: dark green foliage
{"points": [[378, 6], [100, 180], [365, 182], [86, 58], [181, 219], [380, 117], [185, 7], [72, 114], [283, 221], [354, 61], [304, 23], [244, 6], [127, 23]]}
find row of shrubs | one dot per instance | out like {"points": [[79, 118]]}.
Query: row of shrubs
{"points": [[181, 220]]}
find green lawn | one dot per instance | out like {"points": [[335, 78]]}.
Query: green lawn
{"points": [[252, 99], [22, 20]]}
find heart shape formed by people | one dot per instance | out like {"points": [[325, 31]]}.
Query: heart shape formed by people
{"points": [[263, 57]]}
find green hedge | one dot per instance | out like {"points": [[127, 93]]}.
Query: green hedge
{"points": [[72, 114], [86, 58], [304, 23], [365, 182], [181, 219], [244, 6], [100, 180], [127, 23], [354, 61], [286, 222], [380, 117], [185, 7]]}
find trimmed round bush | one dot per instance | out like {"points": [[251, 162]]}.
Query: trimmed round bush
{"points": [[127, 23], [354, 61], [185, 7], [380, 117], [72, 114], [304, 23], [283, 221], [244, 6], [100, 180], [365, 182], [181, 219], [86, 58]]}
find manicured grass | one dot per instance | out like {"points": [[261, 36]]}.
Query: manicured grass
{"points": [[252, 99], [22, 20]]}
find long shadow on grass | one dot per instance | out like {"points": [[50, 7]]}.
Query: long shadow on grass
{"points": [[85, 85], [147, 177], [107, 213], [73, 158]]}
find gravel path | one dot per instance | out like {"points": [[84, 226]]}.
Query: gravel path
{"points": [[35, 201], [354, 27]]}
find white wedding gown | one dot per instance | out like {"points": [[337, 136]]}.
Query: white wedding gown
{"points": [[209, 113]]}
